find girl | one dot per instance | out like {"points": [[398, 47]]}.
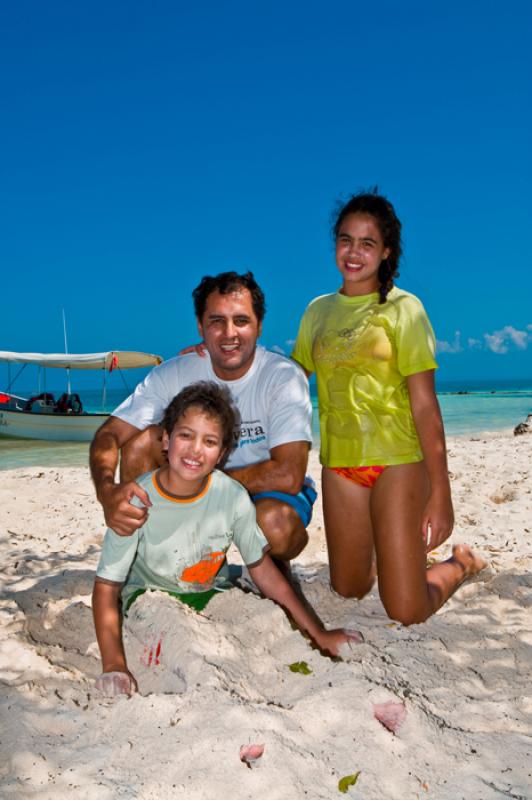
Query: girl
{"points": [[385, 485]]}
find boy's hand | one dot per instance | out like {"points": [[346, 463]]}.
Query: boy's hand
{"points": [[116, 682], [331, 641], [120, 515]]}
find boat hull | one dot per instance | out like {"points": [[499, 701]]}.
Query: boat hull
{"points": [[49, 427]]}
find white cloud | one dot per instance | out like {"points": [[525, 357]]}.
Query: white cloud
{"points": [[277, 349], [450, 347], [500, 341], [291, 342]]}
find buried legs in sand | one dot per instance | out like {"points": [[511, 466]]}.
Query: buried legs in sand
{"points": [[386, 522]]}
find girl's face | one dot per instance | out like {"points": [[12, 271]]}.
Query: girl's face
{"points": [[359, 252]]}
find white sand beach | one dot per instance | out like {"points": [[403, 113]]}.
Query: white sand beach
{"points": [[214, 681]]}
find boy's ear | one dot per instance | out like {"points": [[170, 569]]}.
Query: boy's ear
{"points": [[221, 456], [165, 440]]}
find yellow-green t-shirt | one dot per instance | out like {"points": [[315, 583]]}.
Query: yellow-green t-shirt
{"points": [[362, 353]]}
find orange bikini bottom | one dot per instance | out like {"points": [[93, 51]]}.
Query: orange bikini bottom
{"points": [[364, 476]]}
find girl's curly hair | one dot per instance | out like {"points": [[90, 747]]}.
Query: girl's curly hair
{"points": [[377, 206]]}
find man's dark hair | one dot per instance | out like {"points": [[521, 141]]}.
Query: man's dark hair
{"points": [[225, 283], [213, 400]]}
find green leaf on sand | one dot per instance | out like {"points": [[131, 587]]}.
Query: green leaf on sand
{"points": [[347, 781], [301, 667]]}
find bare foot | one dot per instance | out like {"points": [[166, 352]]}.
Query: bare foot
{"points": [[470, 562]]}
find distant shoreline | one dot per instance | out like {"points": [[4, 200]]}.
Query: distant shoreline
{"points": [[486, 391]]}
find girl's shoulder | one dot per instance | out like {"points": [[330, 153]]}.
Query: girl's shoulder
{"points": [[321, 301], [397, 295], [404, 301]]}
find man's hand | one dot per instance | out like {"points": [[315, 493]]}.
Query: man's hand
{"points": [[120, 515]]}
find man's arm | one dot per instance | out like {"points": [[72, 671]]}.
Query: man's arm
{"points": [[120, 515], [283, 472]]}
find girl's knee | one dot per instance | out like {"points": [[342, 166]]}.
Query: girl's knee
{"points": [[349, 590], [407, 616]]}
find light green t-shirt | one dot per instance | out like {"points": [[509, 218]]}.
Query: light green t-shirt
{"points": [[181, 548], [362, 353]]}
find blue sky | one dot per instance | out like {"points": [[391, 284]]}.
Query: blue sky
{"points": [[144, 145]]}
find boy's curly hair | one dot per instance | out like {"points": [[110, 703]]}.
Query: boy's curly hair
{"points": [[213, 400], [377, 206]]}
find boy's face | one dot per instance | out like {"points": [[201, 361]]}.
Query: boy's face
{"points": [[194, 449]]}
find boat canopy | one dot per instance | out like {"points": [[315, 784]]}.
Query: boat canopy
{"points": [[114, 359]]}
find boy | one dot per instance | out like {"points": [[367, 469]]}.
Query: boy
{"points": [[197, 511]]}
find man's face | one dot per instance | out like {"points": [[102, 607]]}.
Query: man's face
{"points": [[230, 331]]}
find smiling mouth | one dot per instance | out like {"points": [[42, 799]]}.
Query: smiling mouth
{"points": [[229, 348], [354, 267], [190, 464]]}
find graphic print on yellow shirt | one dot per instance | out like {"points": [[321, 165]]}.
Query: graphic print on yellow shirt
{"points": [[362, 352]]}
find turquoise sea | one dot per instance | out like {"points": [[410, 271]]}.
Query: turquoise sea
{"points": [[468, 407]]}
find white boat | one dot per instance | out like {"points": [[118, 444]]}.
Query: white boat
{"points": [[42, 416]]}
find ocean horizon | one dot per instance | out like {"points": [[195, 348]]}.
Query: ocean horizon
{"points": [[469, 407]]}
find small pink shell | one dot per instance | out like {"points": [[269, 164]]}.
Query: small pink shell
{"points": [[249, 753], [391, 715]]}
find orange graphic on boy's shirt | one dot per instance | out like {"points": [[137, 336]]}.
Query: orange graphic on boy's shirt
{"points": [[204, 570]]}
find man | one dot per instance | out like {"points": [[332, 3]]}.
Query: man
{"points": [[271, 394]]}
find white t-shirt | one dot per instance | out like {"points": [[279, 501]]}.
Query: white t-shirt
{"points": [[272, 398]]}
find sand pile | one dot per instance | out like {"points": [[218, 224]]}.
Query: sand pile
{"points": [[214, 681]]}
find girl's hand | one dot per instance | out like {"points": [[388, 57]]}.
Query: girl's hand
{"points": [[117, 682], [331, 641], [438, 520], [199, 349]]}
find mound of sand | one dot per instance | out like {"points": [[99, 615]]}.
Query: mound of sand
{"points": [[214, 681]]}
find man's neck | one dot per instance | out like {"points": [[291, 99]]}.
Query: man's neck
{"points": [[229, 376]]}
